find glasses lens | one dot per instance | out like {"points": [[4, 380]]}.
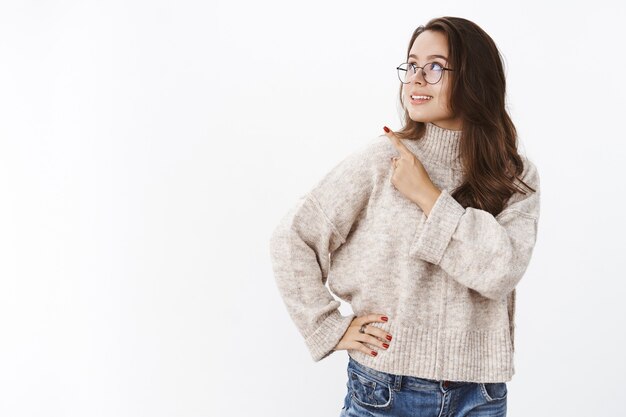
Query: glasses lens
{"points": [[405, 72], [432, 72]]}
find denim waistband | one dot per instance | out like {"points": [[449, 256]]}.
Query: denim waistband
{"points": [[410, 382]]}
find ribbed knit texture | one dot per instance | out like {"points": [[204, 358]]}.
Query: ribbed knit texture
{"points": [[446, 281]]}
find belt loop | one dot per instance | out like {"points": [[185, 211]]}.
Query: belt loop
{"points": [[397, 383]]}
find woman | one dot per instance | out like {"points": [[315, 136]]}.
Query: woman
{"points": [[429, 230]]}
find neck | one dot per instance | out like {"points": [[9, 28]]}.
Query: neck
{"points": [[441, 146]]}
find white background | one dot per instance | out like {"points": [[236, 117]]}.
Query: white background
{"points": [[149, 148]]}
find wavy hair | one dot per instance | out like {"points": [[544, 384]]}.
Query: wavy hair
{"points": [[488, 147]]}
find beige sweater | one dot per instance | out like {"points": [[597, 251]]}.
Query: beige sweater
{"points": [[446, 281]]}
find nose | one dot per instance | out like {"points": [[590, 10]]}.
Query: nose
{"points": [[419, 73]]}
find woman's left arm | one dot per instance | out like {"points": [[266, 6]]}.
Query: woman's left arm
{"points": [[486, 253]]}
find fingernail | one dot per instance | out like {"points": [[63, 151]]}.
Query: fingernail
{"points": [[384, 318], [388, 337], [374, 353], [386, 129], [385, 345]]}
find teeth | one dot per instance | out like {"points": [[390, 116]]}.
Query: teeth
{"points": [[421, 97]]}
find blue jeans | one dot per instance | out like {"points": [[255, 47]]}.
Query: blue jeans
{"points": [[373, 393]]}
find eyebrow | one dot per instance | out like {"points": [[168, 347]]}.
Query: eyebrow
{"points": [[429, 56]]}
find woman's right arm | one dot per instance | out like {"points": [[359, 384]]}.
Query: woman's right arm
{"points": [[301, 244]]}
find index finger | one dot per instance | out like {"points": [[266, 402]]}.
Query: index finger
{"points": [[401, 147]]}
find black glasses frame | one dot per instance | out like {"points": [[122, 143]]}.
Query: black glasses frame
{"points": [[399, 67]]}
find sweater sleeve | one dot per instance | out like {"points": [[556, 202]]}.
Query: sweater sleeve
{"points": [[301, 245], [485, 253]]}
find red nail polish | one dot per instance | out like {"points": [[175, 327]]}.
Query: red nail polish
{"points": [[386, 129], [374, 353], [384, 318], [388, 337], [385, 345]]}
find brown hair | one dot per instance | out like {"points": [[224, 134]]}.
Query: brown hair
{"points": [[488, 146]]}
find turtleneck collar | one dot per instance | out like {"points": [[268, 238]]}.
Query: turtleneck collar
{"points": [[441, 146]]}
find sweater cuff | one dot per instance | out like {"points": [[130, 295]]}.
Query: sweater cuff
{"points": [[322, 342], [438, 228]]}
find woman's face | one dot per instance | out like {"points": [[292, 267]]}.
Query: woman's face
{"points": [[435, 110]]}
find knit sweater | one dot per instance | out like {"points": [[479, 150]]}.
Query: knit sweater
{"points": [[446, 281]]}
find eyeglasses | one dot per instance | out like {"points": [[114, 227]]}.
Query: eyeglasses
{"points": [[431, 71]]}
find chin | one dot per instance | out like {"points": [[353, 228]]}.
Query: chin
{"points": [[420, 118]]}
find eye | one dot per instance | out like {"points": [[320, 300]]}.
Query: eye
{"points": [[436, 66]]}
